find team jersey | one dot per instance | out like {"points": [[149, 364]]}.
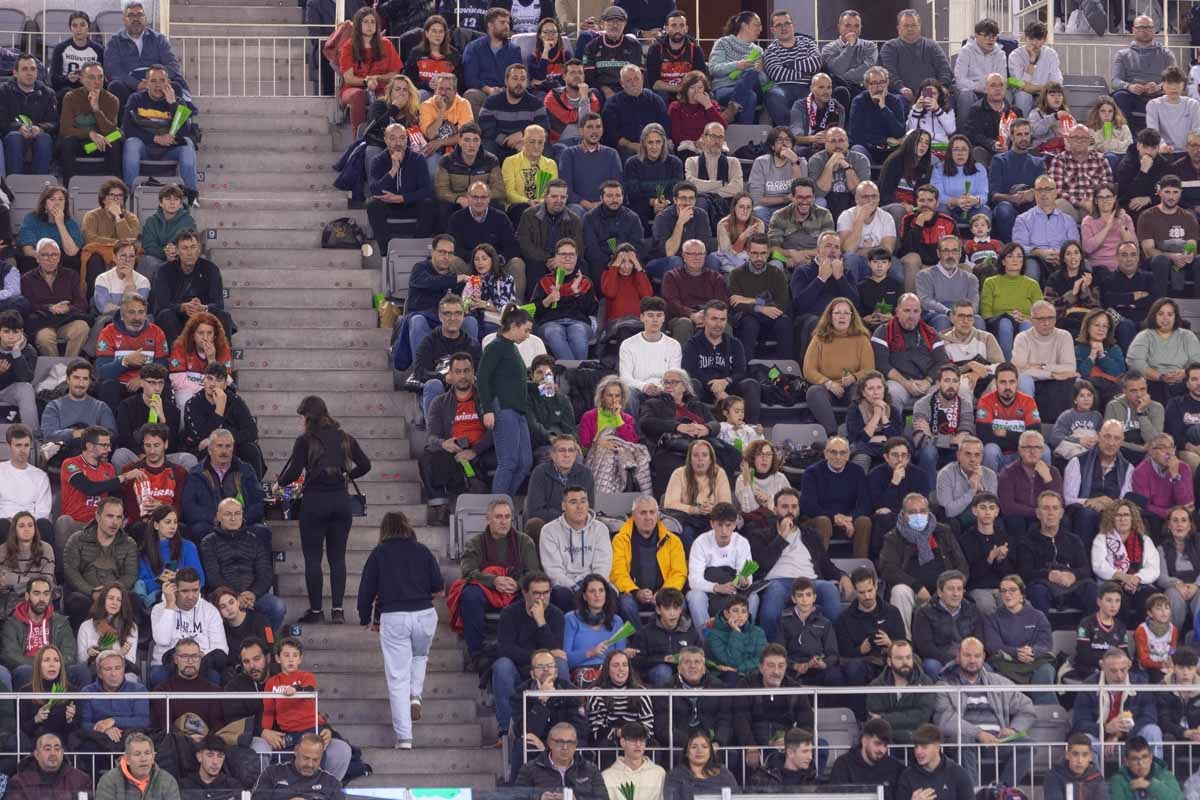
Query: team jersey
{"points": [[75, 504]]}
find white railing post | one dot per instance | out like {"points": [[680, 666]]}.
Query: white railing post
{"points": [[339, 11], [164, 17]]}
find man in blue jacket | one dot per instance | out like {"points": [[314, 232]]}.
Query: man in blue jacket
{"points": [[716, 363], [217, 476], [133, 50], [485, 59], [1136, 713], [147, 129], [398, 182], [107, 721]]}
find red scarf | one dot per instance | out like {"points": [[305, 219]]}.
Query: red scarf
{"points": [[895, 335], [568, 285]]}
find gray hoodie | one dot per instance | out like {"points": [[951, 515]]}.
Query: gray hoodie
{"points": [[570, 555], [1135, 64]]}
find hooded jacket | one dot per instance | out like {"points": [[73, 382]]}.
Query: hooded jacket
{"points": [[852, 768], [905, 711], [949, 781], [737, 649], [54, 629], [570, 555], [1163, 785], [1091, 786], [582, 776], [32, 783], [647, 780], [1013, 709], [936, 632], [39, 105], [201, 623], [238, 559], [758, 718]]}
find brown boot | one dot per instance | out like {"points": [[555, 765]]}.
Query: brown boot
{"points": [[730, 112]]}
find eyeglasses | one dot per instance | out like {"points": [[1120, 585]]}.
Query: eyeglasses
{"points": [[186, 656], [536, 593], [1009, 590], [562, 742], [1044, 318], [542, 667], [671, 382]]}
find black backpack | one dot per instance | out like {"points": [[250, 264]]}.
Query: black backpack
{"points": [[342, 234], [778, 388]]}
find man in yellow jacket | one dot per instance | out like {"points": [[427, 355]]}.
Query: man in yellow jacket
{"points": [[636, 575]]}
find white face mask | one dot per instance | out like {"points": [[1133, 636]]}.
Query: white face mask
{"points": [[918, 521]]}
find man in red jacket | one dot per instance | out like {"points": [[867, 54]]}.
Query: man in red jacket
{"points": [[44, 776]]}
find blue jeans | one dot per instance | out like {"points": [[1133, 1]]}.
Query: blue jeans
{"points": [[1004, 215], [656, 268], [473, 605], [566, 338], [273, 608], [746, 92], [661, 676], [431, 390], [514, 454], [422, 324], [630, 610], [958, 215], [14, 153], [778, 596], [1033, 268], [184, 154], [1006, 330], [780, 99], [1026, 385], [764, 213], [697, 603], [505, 676]]}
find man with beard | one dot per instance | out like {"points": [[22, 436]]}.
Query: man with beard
{"points": [[772, 173], [508, 112], [567, 105], [605, 55], [257, 666], [1004, 414], [101, 552], [944, 418], [759, 296], [947, 281], [911, 354], [1018, 166], [44, 775], [794, 766], [211, 781], [712, 172], [32, 626], [187, 679], [612, 220], [162, 482], [866, 630], [672, 56], [984, 717], [586, 166], [486, 59], [834, 168], [66, 419], [1165, 232], [105, 720], [125, 345], [903, 711], [1181, 419], [869, 763], [760, 719]]}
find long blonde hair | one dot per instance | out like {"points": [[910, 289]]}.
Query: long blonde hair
{"points": [[412, 108]]}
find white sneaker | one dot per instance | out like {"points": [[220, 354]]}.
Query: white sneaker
{"points": [[414, 705], [404, 744]]}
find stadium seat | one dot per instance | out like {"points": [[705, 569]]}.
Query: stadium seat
{"points": [[400, 263], [26, 190], [108, 22], [801, 435], [525, 43], [1052, 726], [614, 509], [54, 24], [89, 186], [44, 364], [839, 729], [11, 21], [470, 518]]}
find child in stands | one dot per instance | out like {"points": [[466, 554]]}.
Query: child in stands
{"points": [[1155, 639]]}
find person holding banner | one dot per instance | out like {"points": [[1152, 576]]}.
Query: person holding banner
{"points": [[156, 126]]}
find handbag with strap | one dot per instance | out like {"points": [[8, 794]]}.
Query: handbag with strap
{"points": [[358, 500]]}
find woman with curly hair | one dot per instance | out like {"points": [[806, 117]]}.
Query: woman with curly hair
{"points": [[613, 446], [367, 62], [838, 356], [758, 482], [201, 343], [694, 109], [1124, 554], [1110, 130]]}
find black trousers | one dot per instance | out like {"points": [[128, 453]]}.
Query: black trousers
{"points": [[748, 389], [325, 523], [70, 149]]}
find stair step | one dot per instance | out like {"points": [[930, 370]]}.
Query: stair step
{"points": [[384, 473], [204, 3], [260, 239], [284, 424], [340, 405], [260, 56], [310, 338], [264, 15], [447, 659], [459, 709], [352, 684], [274, 279], [316, 359], [274, 181], [363, 539], [430, 766], [365, 528], [292, 298], [476, 781], [330, 199], [461, 734], [246, 142], [320, 382], [293, 594], [274, 318], [229, 256], [227, 219], [356, 560], [277, 127], [273, 161], [346, 639], [277, 449], [281, 107]]}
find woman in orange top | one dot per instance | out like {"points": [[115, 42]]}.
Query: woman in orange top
{"points": [[201, 343], [368, 61]]}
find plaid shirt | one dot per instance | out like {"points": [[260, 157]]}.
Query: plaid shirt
{"points": [[1076, 179]]}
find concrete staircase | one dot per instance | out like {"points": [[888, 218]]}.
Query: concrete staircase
{"points": [[306, 326]]}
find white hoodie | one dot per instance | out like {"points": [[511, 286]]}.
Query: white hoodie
{"points": [[647, 780], [202, 623], [568, 556], [706, 553]]}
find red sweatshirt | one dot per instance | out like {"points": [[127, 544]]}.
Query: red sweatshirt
{"points": [[290, 715]]}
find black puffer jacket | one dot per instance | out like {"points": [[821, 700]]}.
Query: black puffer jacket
{"points": [[39, 105], [542, 716], [758, 719], [936, 633], [237, 559], [654, 643]]}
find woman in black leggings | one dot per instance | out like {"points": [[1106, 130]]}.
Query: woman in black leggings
{"points": [[328, 457]]}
